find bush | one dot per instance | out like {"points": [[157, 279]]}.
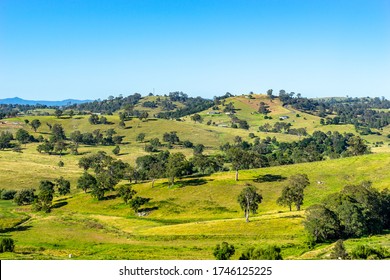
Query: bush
{"points": [[223, 251], [267, 253], [25, 196], [8, 194], [7, 245], [362, 252], [61, 163]]}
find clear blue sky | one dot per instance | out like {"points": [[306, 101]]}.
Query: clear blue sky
{"points": [[57, 49]]}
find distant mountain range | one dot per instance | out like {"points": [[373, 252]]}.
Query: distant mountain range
{"points": [[20, 101]]}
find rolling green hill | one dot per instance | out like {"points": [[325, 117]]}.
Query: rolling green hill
{"points": [[188, 220]]}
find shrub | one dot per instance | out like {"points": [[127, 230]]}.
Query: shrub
{"points": [[223, 251], [7, 245], [8, 194], [267, 253], [362, 252]]}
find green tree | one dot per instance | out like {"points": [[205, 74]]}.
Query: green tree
{"points": [[58, 113], [58, 133], [35, 124], [141, 137], [249, 200], [116, 151], [356, 146], [196, 118], [321, 223], [339, 252], [293, 193], [137, 202], [5, 140], [175, 166], [63, 186], [93, 119], [22, 136], [126, 193], [223, 251], [24, 197], [45, 196], [86, 181], [7, 245], [239, 158]]}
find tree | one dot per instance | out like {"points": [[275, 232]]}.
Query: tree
{"points": [[293, 192], [60, 146], [356, 146], [71, 113], [5, 140], [93, 119], [22, 136], [116, 151], [137, 202], [140, 137], [198, 149], [268, 253], [86, 181], [196, 118], [339, 252], [35, 124], [24, 197], [175, 166], [249, 200], [58, 133], [63, 186], [239, 158], [223, 251], [126, 193], [58, 113], [263, 108], [45, 197], [7, 245], [321, 223]]}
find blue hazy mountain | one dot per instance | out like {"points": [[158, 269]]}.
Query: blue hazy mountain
{"points": [[20, 101]]}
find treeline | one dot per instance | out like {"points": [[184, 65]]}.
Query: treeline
{"points": [[270, 152], [361, 112], [358, 210], [282, 127]]}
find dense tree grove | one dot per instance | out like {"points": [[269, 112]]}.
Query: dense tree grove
{"points": [[356, 211]]}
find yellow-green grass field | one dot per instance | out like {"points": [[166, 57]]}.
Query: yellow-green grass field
{"points": [[187, 220]]}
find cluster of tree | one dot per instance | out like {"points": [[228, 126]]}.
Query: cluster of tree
{"points": [[107, 173], [270, 152], [191, 106], [293, 192], [356, 211], [237, 123], [107, 106], [12, 110], [127, 193], [361, 252], [43, 200], [264, 108], [361, 112], [149, 104], [96, 138], [94, 119], [5, 140], [56, 143], [225, 251], [282, 127]]}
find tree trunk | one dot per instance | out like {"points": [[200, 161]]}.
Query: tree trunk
{"points": [[290, 207], [298, 207], [153, 182], [237, 175], [247, 216]]}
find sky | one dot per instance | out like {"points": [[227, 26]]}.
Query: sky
{"points": [[84, 49]]}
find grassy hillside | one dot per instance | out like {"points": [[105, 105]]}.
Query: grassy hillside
{"points": [[187, 221]]}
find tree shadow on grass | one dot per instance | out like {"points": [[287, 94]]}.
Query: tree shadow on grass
{"points": [[110, 197], [59, 204], [15, 229], [269, 178]]}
